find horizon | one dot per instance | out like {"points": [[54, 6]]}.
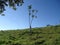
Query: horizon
{"points": [[48, 13]]}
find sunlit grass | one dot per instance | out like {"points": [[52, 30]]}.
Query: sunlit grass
{"points": [[49, 35]]}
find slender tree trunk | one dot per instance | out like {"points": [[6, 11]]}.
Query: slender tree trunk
{"points": [[30, 25], [30, 29]]}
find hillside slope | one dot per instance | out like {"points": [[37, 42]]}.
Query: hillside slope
{"points": [[40, 36]]}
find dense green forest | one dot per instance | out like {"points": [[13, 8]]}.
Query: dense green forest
{"points": [[49, 35]]}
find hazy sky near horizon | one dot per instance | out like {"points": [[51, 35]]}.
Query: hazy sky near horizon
{"points": [[48, 13]]}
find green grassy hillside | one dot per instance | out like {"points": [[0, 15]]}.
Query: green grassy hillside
{"points": [[49, 35]]}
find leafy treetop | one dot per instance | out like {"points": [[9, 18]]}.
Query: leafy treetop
{"points": [[10, 3]]}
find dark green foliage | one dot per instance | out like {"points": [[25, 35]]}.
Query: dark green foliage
{"points": [[38, 42], [12, 38], [40, 36], [10, 3], [2, 42]]}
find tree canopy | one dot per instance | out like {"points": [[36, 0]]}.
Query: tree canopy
{"points": [[10, 3]]}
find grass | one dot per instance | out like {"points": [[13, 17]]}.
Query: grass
{"points": [[49, 35]]}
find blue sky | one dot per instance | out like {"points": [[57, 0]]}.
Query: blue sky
{"points": [[48, 13]]}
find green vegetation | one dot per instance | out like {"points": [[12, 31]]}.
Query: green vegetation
{"points": [[49, 35], [10, 3]]}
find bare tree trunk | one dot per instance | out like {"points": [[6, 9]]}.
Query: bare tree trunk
{"points": [[30, 25], [30, 30]]}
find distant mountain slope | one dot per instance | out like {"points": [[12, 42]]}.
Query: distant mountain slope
{"points": [[49, 35]]}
